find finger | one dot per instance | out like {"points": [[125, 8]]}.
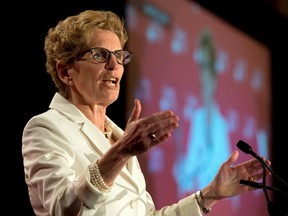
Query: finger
{"points": [[135, 114], [254, 169], [161, 133], [251, 164], [161, 115], [160, 120], [161, 139], [257, 177], [258, 168], [232, 159], [163, 126]]}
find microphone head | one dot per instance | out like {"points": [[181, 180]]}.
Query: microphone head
{"points": [[243, 146]]}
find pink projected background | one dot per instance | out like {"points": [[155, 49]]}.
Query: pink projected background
{"points": [[164, 74]]}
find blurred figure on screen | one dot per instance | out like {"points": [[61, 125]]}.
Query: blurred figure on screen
{"points": [[208, 137]]}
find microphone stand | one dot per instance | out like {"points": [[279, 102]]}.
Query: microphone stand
{"points": [[248, 150], [268, 167], [260, 186], [270, 206]]}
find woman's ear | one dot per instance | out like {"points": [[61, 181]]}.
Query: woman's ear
{"points": [[63, 72]]}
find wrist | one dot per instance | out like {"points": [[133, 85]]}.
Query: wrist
{"points": [[97, 180], [201, 203]]}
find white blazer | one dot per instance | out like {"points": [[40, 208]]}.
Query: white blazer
{"points": [[58, 146]]}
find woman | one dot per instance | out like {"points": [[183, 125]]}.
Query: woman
{"points": [[79, 162]]}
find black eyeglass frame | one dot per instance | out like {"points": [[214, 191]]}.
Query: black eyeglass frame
{"points": [[127, 55]]}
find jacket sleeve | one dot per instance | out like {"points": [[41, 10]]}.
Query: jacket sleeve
{"points": [[59, 187], [185, 207]]}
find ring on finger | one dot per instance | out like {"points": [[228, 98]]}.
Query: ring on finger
{"points": [[152, 137], [250, 178]]}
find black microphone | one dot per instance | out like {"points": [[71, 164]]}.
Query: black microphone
{"points": [[246, 148], [243, 146], [251, 184], [260, 186]]}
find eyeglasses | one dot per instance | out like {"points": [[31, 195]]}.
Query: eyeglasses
{"points": [[102, 55]]}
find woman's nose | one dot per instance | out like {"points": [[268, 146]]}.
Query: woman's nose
{"points": [[112, 62]]}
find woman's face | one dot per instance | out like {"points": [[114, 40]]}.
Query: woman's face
{"points": [[95, 83]]}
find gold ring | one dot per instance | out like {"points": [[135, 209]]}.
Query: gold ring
{"points": [[251, 179], [153, 137]]}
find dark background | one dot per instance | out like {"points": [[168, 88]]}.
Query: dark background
{"points": [[27, 88]]}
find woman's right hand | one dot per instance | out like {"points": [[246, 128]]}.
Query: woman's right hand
{"points": [[137, 139], [138, 136]]}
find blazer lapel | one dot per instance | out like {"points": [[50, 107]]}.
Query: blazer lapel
{"points": [[95, 135], [129, 172]]}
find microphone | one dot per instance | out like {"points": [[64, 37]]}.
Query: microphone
{"points": [[243, 146], [260, 186], [246, 148], [251, 184]]}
